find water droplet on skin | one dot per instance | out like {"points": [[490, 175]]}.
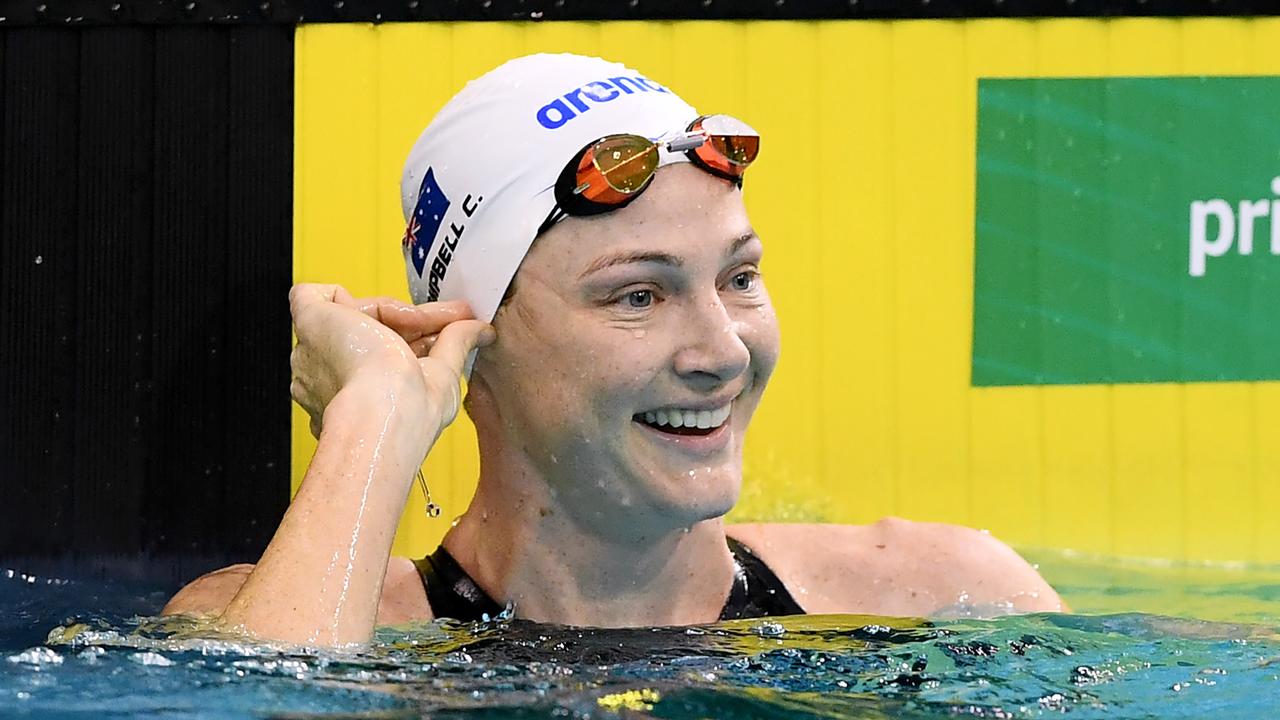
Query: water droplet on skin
{"points": [[638, 334]]}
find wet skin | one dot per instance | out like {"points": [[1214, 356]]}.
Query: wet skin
{"points": [[585, 513], [603, 518], [659, 305]]}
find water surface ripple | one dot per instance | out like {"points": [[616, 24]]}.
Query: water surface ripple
{"points": [[115, 661]]}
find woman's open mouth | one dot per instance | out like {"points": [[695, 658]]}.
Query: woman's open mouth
{"points": [[685, 422]]}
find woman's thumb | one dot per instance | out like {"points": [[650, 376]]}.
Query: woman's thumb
{"points": [[458, 339]]}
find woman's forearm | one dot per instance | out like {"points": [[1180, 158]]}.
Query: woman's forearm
{"points": [[320, 578]]}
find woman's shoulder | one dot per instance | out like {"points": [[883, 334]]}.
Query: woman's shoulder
{"points": [[840, 539], [210, 593], [404, 597], [897, 567]]}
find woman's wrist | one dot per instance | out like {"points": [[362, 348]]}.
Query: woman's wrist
{"points": [[393, 404], [337, 533]]}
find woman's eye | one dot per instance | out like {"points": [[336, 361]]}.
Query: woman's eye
{"points": [[743, 281], [638, 299]]}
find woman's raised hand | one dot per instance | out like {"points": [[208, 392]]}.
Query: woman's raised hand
{"points": [[342, 338], [383, 377]]}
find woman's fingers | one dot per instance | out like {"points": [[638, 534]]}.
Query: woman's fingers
{"points": [[388, 310], [396, 314], [422, 346], [333, 341], [442, 367], [311, 303], [458, 339], [414, 322], [383, 309], [305, 294]]}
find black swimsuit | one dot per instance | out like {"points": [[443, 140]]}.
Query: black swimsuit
{"points": [[757, 591]]}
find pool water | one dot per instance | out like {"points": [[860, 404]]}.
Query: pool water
{"points": [[1134, 649]]}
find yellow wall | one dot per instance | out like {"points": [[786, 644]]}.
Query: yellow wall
{"points": [[864, 195]]}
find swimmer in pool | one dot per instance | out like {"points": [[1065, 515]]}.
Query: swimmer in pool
{"points": [[597, 221]]}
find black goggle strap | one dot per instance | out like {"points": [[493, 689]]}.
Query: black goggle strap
{"points": [[556, 215]]}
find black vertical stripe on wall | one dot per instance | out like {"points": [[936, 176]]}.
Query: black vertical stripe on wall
{"points": [[38, 251], [112, 206], [190, 275], [145, 250], [7, 430], [259, 234]]}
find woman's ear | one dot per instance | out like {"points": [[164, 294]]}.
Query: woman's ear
{"points": [[479, 391]]}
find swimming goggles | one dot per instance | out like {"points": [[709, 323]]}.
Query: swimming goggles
{"points": [[611, 172]]}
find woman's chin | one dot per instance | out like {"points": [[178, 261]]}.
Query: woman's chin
{"points": [[705, 495]]}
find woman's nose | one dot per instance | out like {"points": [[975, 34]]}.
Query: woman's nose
{"points": [[713, 351]]}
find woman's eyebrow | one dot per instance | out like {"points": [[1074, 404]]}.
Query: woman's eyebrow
{"points": [[740, 241], [634, 256], [643, 256]]}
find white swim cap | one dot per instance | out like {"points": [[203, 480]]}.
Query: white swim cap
{"points": [[481, 178]]}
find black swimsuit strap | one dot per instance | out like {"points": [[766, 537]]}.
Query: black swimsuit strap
{"points": [[451, 591], [756, 591]]}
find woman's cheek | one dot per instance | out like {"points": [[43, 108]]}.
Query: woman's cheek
{"points": [[759, 331]]}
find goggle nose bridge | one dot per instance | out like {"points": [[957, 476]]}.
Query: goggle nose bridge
{"points": [[688, 140]]}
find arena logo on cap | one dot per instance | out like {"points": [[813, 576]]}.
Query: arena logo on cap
{"points": [[424, 225], [568, 106]]}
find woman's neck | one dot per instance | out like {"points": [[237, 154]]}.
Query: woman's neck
{"points": [[522, 547]]}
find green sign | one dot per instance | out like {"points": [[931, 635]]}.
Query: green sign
{"points": [[1128, 230]]}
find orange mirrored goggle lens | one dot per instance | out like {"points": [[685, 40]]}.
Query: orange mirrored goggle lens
{"points": [[616, 167], [731, 144], [730, 154]]}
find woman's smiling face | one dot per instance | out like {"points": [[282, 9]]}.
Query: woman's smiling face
{"points": [[621, 327]]}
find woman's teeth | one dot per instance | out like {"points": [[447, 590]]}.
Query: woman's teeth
{"points": [[702, 419]]}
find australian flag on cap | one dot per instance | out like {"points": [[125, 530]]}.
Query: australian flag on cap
{"points": [[425, 221]]}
